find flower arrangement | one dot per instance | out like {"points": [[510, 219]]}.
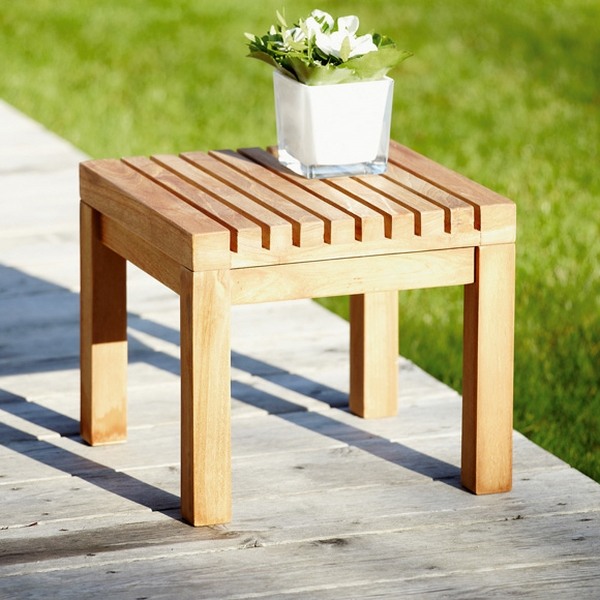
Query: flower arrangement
{"points": [[321, 50]]}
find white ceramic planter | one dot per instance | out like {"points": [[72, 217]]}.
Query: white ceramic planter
{"points": [[330, 130]]}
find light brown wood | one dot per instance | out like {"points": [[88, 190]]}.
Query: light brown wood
{"points": [[257, 257], [369, 223], [458, 214], [141, 253], [373, 354], [398, 220], [205, 397], [429, 218], [495, 216], [308, 229], [103, 338], [276, 231], [354, 275], [259, 233], [244, 231], [488, 372], [150, 211], [338, 225]]}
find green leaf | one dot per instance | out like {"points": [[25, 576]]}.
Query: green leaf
{"points": [[281, 19], [319, 74], [375, 65], [260, 55]]}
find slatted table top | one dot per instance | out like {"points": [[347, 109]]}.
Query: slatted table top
{"points": [[238, 209]]}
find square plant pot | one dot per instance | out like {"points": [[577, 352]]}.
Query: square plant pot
{"points": [[333, 130]]}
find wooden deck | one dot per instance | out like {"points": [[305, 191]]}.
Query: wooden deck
{"points": [[326, 505]]}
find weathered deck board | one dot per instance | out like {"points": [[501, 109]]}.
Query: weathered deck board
{"points": [[392, 561], [326, 505]]}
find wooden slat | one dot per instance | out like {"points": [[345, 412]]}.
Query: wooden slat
{"points": [[399, 221], [495, 215], [369, 223], [458, 214], [152, 213], [277, 231], [244, 232], [353, 276], [308, 230], [339, 226], [428, 217]]}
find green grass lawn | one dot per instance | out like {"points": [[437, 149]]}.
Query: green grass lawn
{"points": [[506, 92]]}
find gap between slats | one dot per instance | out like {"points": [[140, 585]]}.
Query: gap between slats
{"points": [[234, 242], [276, 231], [458, 215], [369, 225], [428, 218], [445, 179], [398, 220], [338, 226], [307, 230]]}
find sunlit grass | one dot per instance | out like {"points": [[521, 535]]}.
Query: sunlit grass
{"points": [[508, 93]]}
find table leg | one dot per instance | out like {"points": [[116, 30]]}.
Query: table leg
{"points": [[103, 336], [205, 397], [374, 354], [488, 372]]}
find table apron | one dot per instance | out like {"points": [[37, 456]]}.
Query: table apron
{"points": [[433, 268], [141, 253]]}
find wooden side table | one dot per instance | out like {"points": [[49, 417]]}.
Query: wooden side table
{"points": [[235, 227]]}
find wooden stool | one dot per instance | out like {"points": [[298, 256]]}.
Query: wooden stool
{"points": [[235, 227]]}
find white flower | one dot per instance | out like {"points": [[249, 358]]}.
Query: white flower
{"points": [[344, 45], [343, 42], [348, 24], [317, 22], [311, 27], [362, 45], [307, 29], [322, 17], [293, 37]]}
